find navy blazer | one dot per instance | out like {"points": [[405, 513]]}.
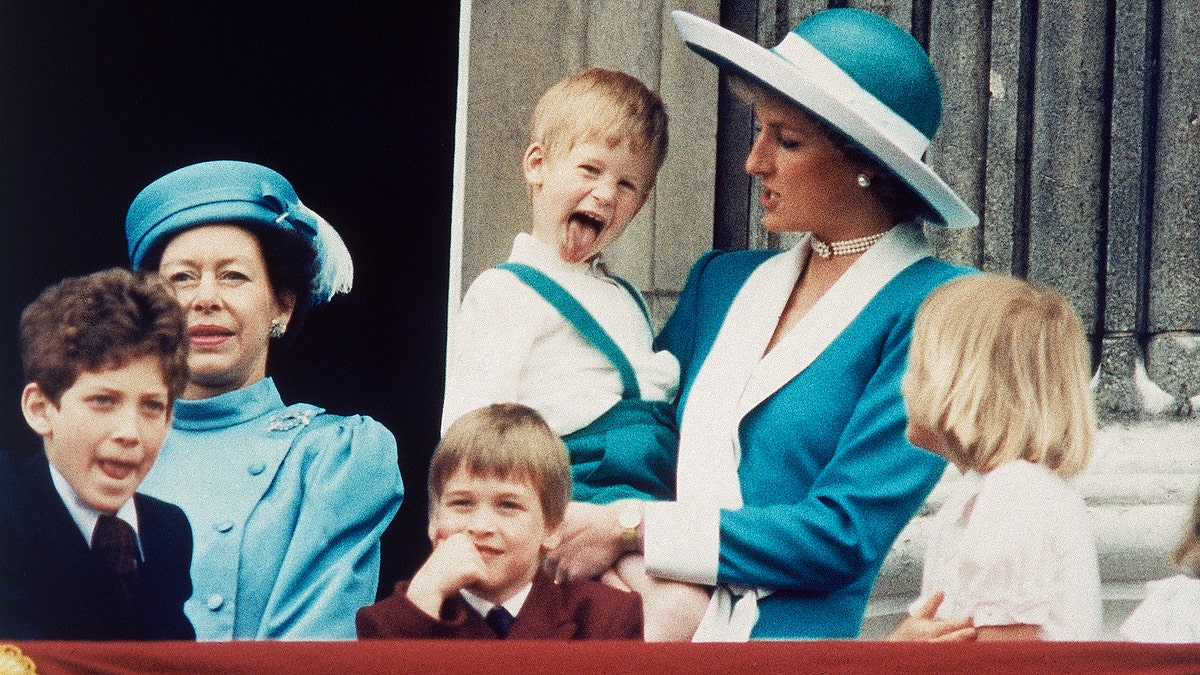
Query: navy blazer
{"points": [[53, 588]]}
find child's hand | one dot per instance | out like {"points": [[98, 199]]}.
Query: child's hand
{"points": [[454, 564], [924, 627], [611, 578]]}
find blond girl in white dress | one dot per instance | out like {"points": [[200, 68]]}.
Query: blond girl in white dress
{"points": [[998, 383]]}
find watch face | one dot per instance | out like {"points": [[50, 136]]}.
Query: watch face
{"points": [[630, 518]]}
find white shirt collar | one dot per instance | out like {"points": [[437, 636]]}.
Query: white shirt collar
{"points": [[513, 604], [85, 516], [530, 250]]}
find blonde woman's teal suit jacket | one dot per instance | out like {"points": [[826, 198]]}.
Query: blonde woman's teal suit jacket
{"points": [[827, 475]]}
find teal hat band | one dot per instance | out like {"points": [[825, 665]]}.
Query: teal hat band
{"points": [[883, 59]]}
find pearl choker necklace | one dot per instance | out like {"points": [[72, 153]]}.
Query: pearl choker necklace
{"points": [[846, 247]]}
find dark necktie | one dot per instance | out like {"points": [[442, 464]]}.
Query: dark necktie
{"points": [[115, 544], [500, 621]]}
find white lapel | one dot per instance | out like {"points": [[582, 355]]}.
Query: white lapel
{"points": [[707, 461], [833, 312], [736, 377]]}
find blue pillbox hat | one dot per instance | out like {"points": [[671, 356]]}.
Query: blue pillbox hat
{"points": [[228, 191]]}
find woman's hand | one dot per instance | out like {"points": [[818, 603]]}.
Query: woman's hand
{"points": [[924, 627], [1009, 633], [591, 541]]}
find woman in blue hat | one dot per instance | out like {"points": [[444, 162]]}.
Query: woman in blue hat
{"points": [[795, 475], [286, 502]]}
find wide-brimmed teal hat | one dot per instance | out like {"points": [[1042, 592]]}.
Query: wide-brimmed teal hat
{"points": [[859, 73], [234, 192]]}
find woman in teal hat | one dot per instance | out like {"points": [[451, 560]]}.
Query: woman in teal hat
{"points": [[795, 475], [286, 502]]}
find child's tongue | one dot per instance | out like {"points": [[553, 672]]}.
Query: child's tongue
{"points": [[577, 240]]}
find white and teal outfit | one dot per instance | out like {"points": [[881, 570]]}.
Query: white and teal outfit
{"points": [[610, 404], [795, 475], [287, 504]]}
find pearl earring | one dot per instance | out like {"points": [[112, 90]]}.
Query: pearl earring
{"points": [[864, 181], [278, 328]]}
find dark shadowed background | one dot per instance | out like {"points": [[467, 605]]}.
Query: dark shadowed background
{"points": [[353, 103]]}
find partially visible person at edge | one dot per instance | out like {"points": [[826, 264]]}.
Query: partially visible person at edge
{"points": [[287, 502], [1170, 610], [83, 554], [794, 473]]}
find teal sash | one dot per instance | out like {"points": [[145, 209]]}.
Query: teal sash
{"points": [[630, 450], [583, 321]]}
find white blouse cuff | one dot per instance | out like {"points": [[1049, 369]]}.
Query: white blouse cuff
{"points": [[682, 542]]}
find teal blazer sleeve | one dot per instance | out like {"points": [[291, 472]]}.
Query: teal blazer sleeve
{"points": [[828, 477]]}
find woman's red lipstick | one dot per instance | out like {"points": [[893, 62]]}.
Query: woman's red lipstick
{"points": [[206, 335]]}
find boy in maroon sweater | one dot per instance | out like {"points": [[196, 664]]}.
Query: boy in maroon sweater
{"points": [[499, 484]]}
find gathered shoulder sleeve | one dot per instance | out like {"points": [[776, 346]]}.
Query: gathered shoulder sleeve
{"points": [[1025, 555], [1008, 553], [350, 490], [493, 336]]}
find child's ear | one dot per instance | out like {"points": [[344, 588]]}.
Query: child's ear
{"points": [[553, 537], [533, 163], [35, 406]]}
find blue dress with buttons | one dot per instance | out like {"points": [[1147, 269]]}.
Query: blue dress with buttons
{"points": [[286, 504]]}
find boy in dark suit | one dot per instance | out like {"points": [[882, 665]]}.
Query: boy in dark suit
{"points": [[499, 484], [82, 557]]}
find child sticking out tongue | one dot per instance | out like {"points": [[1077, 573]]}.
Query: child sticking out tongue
{"points": [[578, 240]]}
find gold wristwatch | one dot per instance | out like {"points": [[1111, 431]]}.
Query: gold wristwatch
{"points": [[629, 519]]}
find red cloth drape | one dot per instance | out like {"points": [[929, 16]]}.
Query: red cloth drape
{"points": [[422, 656]]}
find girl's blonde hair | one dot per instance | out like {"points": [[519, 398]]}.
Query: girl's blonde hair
{"points": [[999, 370], [605, 105]]}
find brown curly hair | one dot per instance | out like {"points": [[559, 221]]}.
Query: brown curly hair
{"points": [[100, 321]]}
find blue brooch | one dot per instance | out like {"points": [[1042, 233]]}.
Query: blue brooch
{"points": [[289, 420]]}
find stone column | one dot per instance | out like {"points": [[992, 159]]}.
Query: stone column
{"points": [[1173, 313]]}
